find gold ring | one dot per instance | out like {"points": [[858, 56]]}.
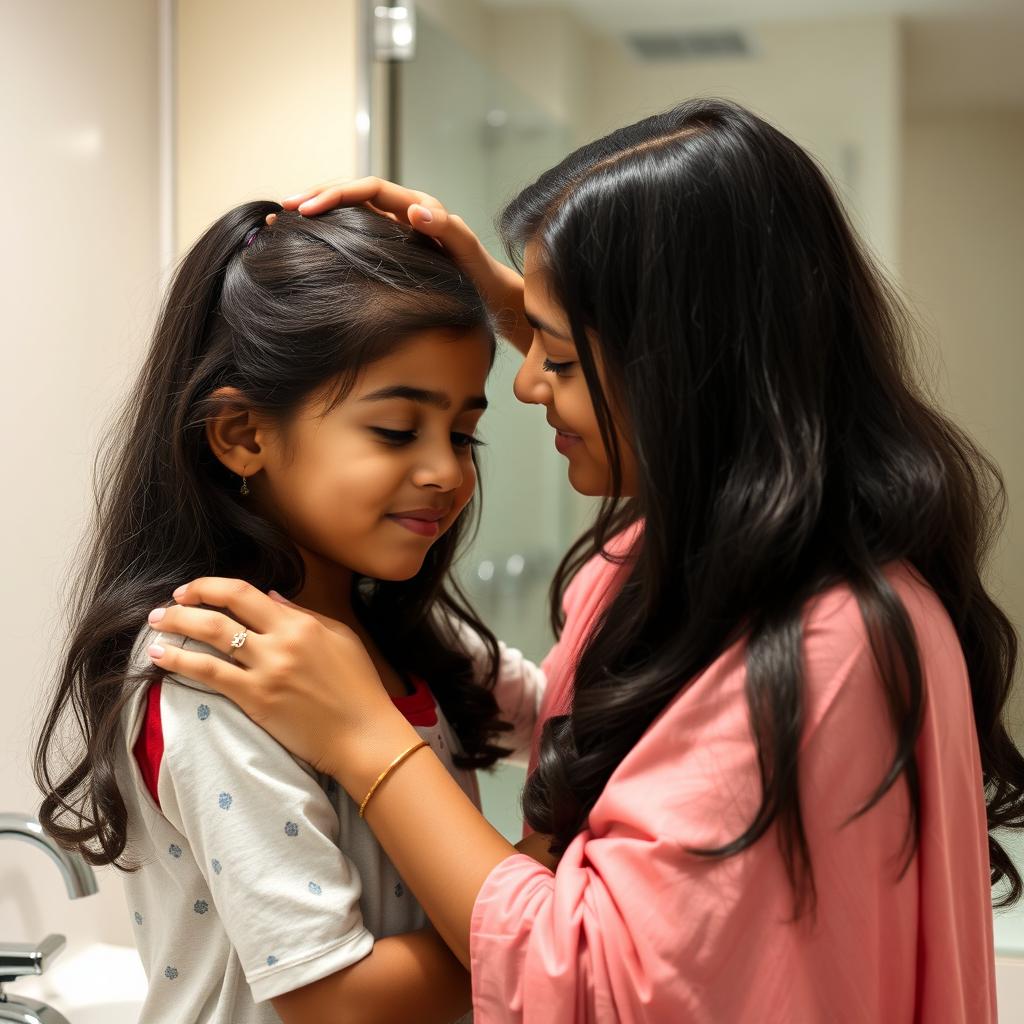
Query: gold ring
{"points": [[238, 640]]}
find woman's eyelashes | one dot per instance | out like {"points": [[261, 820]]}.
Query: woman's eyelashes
{"points": [[557, 368], [403, 437]]}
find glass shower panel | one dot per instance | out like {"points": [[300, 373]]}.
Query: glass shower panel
{"points": [[466, 135]]}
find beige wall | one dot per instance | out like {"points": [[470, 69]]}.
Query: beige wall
{"points": [[834, 86], [545, 52], [78, 286], [963, 245], [266, 102], [468, 21]]}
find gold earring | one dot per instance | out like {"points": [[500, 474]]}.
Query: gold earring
{"points": [[244, 490]]}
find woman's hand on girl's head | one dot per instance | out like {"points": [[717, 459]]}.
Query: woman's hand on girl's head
{"points": [[500, 286], [306, 679]]}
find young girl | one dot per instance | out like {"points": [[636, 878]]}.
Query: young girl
{"points": [[305, 420], [774, 763]]}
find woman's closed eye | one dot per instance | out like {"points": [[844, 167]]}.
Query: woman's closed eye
{"points": [[557, 368], [401, 437]]}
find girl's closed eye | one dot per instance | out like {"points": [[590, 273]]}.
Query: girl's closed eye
{"points": [[395, 437], [401, 437], [557, 368]]}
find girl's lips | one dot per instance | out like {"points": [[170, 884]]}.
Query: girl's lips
{"points": [[424, 527], [564, 441]]}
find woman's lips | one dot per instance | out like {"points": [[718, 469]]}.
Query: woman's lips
{"points": [[564, 441]]}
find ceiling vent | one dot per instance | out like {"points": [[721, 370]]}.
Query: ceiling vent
{"points": [[698, 44]]}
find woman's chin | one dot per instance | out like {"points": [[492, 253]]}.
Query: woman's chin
{"points": [[595, 482], [584, 480]]}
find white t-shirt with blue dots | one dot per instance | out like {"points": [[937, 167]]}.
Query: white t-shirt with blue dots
{"points": [[257, 875]]}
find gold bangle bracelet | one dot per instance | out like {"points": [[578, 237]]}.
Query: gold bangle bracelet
{"points": [[394, 764]]}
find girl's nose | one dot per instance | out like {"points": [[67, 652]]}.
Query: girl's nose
{"points": [[441, 469], [531, 386]]}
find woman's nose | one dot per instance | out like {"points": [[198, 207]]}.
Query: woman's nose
{"points": [[530, 385]]}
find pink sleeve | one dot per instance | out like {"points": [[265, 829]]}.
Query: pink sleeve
{"points": [[635, 929]]}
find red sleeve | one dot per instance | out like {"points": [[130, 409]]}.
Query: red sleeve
{"points": [[149, 747]]}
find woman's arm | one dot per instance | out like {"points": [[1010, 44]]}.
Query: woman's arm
{"points": [[414, 976], [442, 846], [500, 286], [423, 835], [407, 977]]}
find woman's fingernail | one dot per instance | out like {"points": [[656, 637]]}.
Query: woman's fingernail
{"points": [[180, 592], [157, 614], [425, 215], [155, 651]]}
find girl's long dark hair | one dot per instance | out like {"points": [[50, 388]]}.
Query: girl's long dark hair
{"points": [[763, 365], [299, 305]]}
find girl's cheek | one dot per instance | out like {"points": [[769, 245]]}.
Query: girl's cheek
{"points": [[466, 491]]}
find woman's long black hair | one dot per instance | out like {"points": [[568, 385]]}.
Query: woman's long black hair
{"points": [[276, 312], [763, 365]]}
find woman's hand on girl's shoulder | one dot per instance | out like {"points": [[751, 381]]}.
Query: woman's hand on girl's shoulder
{"points": [[306, 679], [500, 286]]}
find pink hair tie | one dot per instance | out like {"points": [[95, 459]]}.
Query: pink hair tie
{"points": [[249, 237]]}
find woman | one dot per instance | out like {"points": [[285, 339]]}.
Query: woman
{"points": [[773, 745]]}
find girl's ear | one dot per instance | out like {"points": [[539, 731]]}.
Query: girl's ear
{"points": [[234, 433]]}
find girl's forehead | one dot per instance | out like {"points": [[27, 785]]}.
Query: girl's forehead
{"points": [[446, 361]]}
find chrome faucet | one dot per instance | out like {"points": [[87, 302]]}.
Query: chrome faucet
{"points": [[18, 959], [78, 877]]}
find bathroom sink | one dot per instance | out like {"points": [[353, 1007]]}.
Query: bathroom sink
{"points": [[104, 1013], [95, 984]]}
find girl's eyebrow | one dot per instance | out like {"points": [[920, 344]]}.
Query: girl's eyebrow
{"points": [[424, 397], [539, 325]]}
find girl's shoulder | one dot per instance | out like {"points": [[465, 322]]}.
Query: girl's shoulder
{"points": [[148, 635], [173, 703], [177, 724]]}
